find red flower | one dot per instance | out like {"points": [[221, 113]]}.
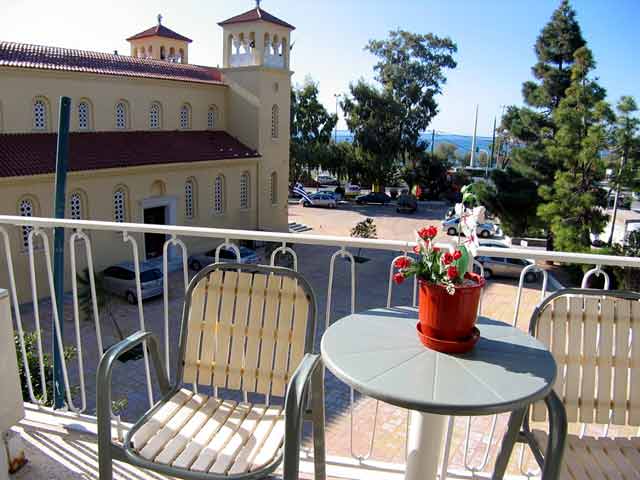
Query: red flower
{"points": [[428, 233], [402, 262], [457, 255], [398, 278], [435, 249], [447, 258], [417, 249], [452, 273]]}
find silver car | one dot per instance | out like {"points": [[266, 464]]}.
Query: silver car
{"points": [[227, 255], [120, 280], [483, 230], [507, 267], [320, 199]]}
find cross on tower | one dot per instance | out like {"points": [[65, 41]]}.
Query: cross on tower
{"points": [[159, 19], [258, 3]]}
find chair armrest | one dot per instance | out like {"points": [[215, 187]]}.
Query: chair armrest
{"points": [[105, 373], [295, 396], [294, 407]]}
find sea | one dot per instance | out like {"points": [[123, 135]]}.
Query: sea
{"points": [[463, 142]]}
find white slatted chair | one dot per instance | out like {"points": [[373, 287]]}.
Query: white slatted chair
{"points": [[594, 336], [245, 328]]}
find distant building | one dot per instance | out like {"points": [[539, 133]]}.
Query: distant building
{"points": [[154, 138]]}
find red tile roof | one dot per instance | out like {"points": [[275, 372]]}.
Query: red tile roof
{"points": [[34, 153], [159, 31], [257, 14], [23, 55]]}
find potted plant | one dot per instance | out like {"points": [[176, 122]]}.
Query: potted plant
{"points": [[449, 290]]}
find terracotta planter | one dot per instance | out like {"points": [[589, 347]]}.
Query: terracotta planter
{"points": [[447, 322]]}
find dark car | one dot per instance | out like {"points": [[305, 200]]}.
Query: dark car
{"points": [[373, 197], [407, 203]]}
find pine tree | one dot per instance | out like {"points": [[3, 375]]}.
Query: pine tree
{"points": [[573, 203], [529, 128]]}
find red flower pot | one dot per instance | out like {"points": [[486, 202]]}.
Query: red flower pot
{"points": [[447, 322]]}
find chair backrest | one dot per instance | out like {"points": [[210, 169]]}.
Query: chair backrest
{"points": [[246, 327], [594, 336]]}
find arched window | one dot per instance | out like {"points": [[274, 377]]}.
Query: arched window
{"points": [[155, 115], [218, 195], [120, 205], [162, 53], [275, 121], [84, 115], [26, 208], [273, 188], [212, 117], [185, 116], [189, 198], [122, 115], [244, 190], [40, 114], [181, 56], [75, 206]]}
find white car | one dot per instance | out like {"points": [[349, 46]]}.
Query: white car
{"points": [[484, 230], [320, 199]]}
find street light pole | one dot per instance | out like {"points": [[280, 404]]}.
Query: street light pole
{"points": [[335, 135]]}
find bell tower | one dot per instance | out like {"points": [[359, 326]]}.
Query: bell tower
{"points": [[256, 38], [256, 60]]}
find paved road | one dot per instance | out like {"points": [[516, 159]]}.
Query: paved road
{"points": [[390, 225]]}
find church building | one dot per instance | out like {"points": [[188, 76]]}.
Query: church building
{"points": [[154, 138]]}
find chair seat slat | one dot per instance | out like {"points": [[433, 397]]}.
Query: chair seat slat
{"points": [[178, 443], [208, 454], [227, 457], [204, 436], [282, 345], [240, 331], [634, 384], [605, 364], [250, 449], [160, 418], [621, 361], [272, 306], [255, 322], [590, 360], [211, 318]]}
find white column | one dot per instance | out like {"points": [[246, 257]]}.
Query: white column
{"points": [[426, 435]]}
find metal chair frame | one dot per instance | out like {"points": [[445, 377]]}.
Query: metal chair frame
{"points": [[304, 397], [526, 435]]}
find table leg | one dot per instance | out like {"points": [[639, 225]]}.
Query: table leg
{"points": [[508, 442], [426, 433]]}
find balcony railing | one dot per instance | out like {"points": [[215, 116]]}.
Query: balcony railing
{"points": [[340, 291]]}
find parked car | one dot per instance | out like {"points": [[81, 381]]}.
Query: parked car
{"points": [[484, 230], [407, 203], [373, 197], [120, 280], [328, 180], [493, 243], [507, 267], [227, 255], [320, 199]]}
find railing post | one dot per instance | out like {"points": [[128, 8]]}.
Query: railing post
{"points": [[62, 161]]}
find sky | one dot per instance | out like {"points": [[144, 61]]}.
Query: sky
{"points": [[495, 40]]}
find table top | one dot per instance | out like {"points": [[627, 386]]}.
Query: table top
{"points": [[378, 353]]}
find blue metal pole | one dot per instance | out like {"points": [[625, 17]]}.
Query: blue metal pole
{"points": [[62, 162]]}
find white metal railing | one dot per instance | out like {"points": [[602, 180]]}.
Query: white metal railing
{"points": [[175, 238]]}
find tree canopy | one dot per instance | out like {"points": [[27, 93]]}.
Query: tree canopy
{"points": [[311, 129], [387, 118]]}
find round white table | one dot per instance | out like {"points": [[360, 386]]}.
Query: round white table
{"points": [[378, 353]]}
